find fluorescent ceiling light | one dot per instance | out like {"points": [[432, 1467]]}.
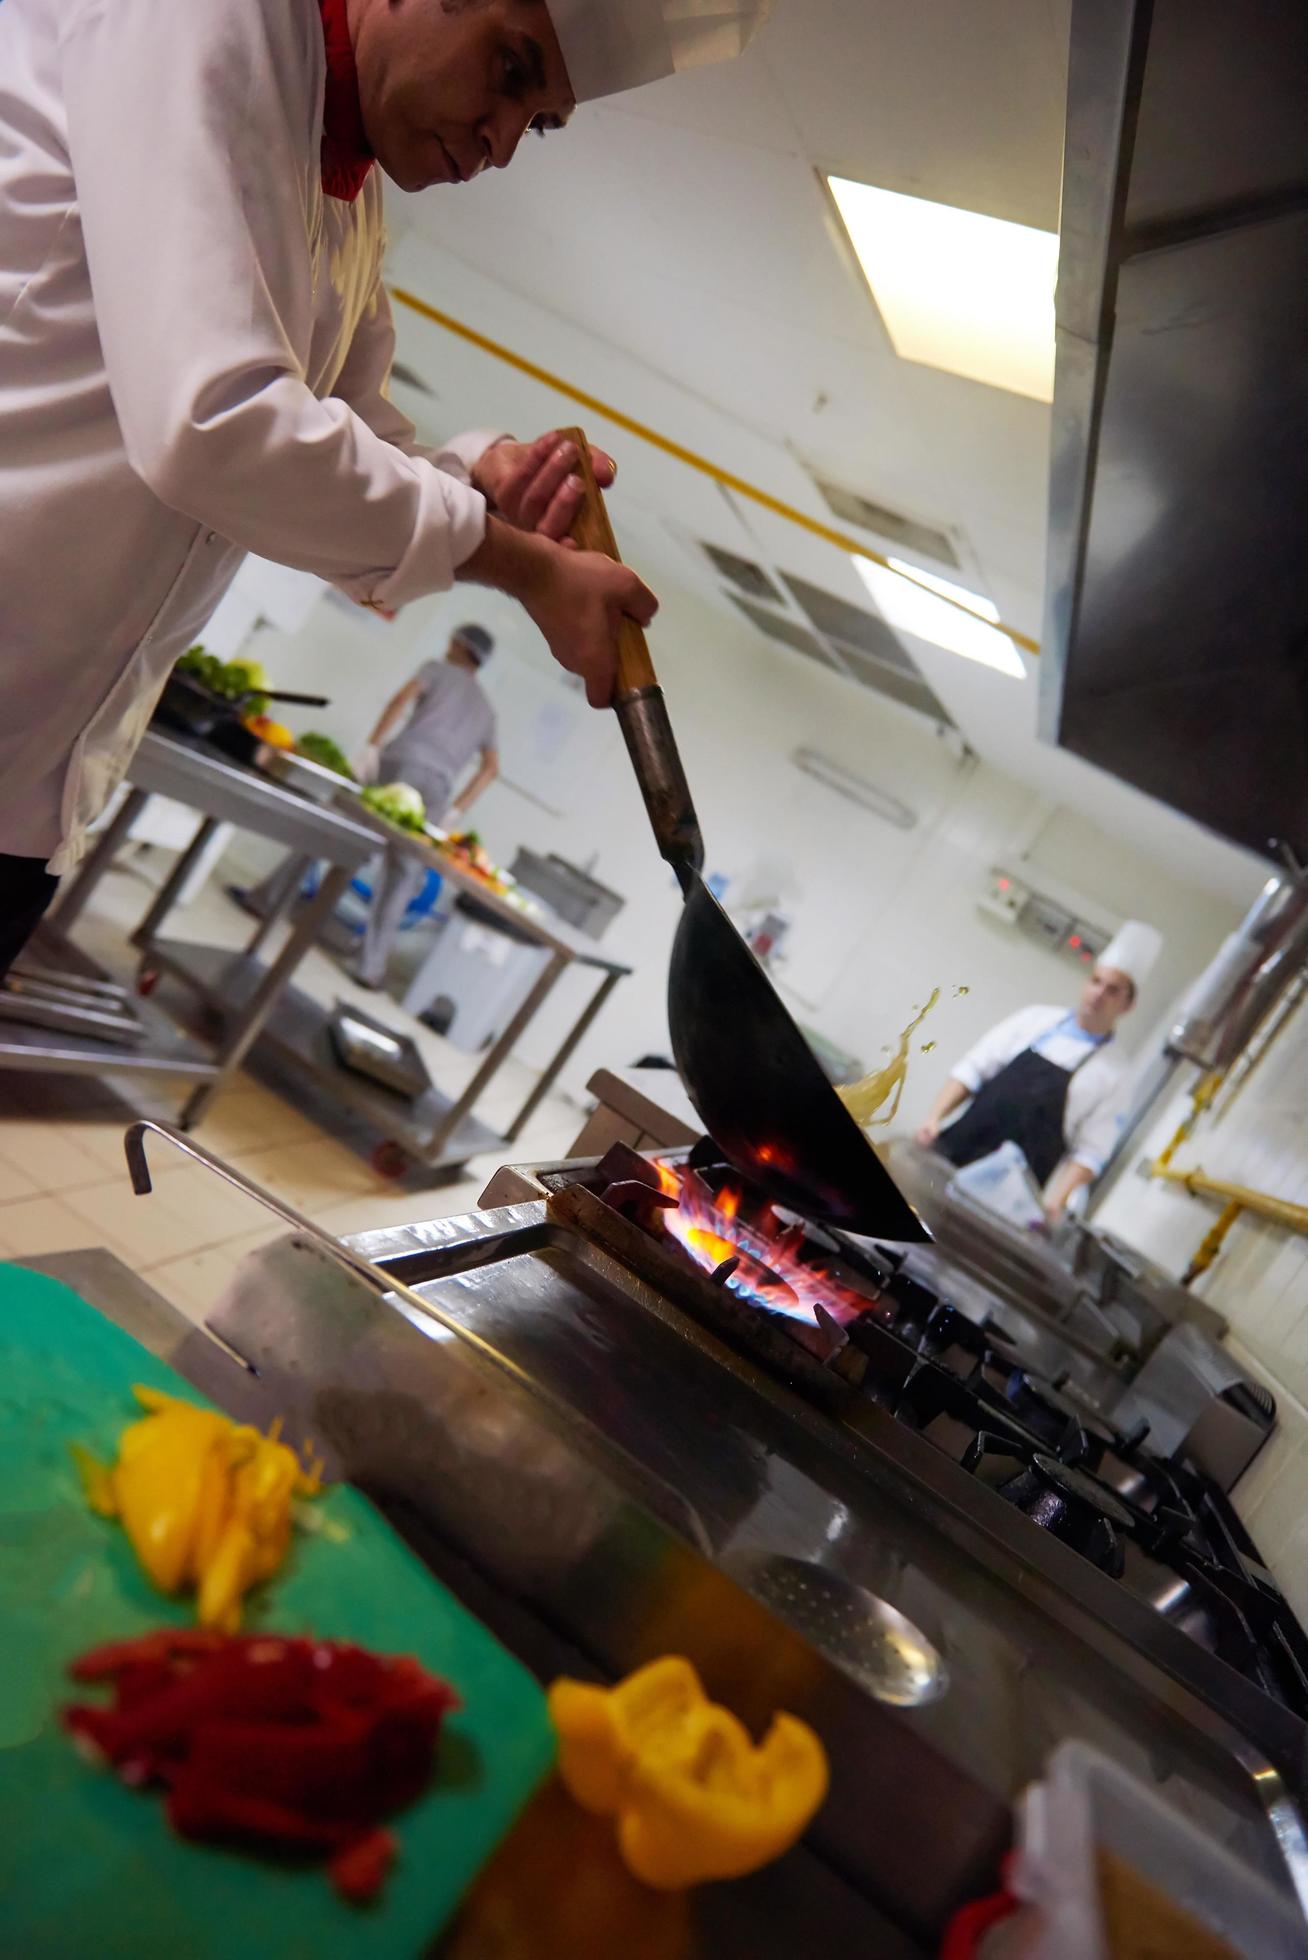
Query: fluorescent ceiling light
{"points": [[958, 291], [910, 609]]}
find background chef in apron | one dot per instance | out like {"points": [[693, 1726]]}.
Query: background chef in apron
{"points": [[1049, 1080]]}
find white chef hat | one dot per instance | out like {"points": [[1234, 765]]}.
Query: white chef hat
{"points": [[1133, 950], [612, 45]]}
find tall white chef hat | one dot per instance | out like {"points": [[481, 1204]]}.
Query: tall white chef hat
{"points": [[1133, 950], [612, 45]]}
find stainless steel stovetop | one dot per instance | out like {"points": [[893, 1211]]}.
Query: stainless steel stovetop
{"points": [[606, 1466]]}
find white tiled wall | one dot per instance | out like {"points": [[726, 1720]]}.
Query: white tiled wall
{"points": [[1260, 1280]]}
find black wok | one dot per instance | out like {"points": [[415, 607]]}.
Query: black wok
{"points": [[754, 1081]]}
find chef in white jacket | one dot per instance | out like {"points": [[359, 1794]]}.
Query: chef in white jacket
{"points": [[195, 344], [1049, 1079]]}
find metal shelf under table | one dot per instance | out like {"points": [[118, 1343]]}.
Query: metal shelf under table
{"points": [[436, 1130], [164, 1050]]}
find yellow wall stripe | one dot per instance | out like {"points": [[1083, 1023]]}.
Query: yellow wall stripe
{"points": [[737, 484]]}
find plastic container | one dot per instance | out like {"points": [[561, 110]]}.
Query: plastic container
{"points": [[1087, 1804], [1002, 1182]]}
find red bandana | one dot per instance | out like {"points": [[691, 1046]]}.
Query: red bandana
{"points": [[346, 158]]}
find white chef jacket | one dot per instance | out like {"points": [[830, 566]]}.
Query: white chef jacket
{"points": [[1093, 1120], [194, 350]]}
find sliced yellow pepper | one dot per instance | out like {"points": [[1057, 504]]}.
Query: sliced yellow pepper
{"points": [[694, 1797], [206, 1502]]}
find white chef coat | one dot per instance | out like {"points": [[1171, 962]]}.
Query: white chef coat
{"points": [[194, 350], [1093, 1120]]}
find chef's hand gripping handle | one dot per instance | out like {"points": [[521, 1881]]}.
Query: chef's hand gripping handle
{"points": [[592, 531], [638, 699]]}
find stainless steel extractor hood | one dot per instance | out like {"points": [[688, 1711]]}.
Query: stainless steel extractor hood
{"points": [[1176, 630]]}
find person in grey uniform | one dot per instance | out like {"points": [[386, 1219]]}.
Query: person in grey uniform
{"points": [[449, 722]]}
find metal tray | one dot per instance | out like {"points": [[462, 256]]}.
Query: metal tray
{"points": [[89, 985], [70, 1005], [298, 772], [370, 1048]]}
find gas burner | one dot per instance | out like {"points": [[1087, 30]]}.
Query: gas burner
{"points": [[760, 1252], [844, 1325], [1059, 1498], [963, 1346]]}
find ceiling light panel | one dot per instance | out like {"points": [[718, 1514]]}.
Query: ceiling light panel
{"points": [[969, 294], [910, 608]]}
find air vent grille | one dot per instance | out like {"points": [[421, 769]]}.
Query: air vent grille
{"points": [[780, 626], [908, 689], [837, 619], [851, 507], [410, 378], [911, 691], [744, 574]]}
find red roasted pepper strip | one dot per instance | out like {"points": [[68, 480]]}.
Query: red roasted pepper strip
{"points": [[359, 1871], [291, 1745], [101, 1663]]}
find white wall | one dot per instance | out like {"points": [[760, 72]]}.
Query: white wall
{"points": [[1260, 1280], [880, 915]]}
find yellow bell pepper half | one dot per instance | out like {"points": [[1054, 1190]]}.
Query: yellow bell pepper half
{"points": [[206, 1502], [694, 1797]]}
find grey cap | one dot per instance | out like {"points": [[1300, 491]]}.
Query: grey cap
{"points": [[477, 641]]}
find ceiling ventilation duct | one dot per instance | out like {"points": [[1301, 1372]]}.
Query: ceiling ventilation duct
{"points": [[1176, 627], [1250, 974]]}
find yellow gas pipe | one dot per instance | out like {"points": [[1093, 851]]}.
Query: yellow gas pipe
{"points": [[1211, 1244]]}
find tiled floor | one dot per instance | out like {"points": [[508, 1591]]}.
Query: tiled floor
{"points": [[63, 1179]]}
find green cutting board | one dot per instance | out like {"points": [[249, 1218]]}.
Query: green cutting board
{"points": [[89, 1867]]}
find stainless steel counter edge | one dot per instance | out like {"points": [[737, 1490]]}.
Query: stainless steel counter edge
{"points": [[203, 780], [1241, 1723]]}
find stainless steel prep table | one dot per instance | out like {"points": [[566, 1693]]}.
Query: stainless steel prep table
{"points": [[222, 792], [434, 1130], [316, 821], [438, 1132]]}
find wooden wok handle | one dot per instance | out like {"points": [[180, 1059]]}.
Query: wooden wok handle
{"points": [[592, 531]]}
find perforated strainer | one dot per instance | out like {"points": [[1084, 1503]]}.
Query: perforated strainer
{"points": [[871, 1640]]}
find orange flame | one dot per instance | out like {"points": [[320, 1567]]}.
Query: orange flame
{"points": [[771, 1269]]}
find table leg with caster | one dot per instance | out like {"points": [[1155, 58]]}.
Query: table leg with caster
{"points": [[71, 900], [172, 885], [390, 1160]]}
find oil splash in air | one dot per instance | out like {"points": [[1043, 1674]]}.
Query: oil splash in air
{"points": [[864, 1100]]}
